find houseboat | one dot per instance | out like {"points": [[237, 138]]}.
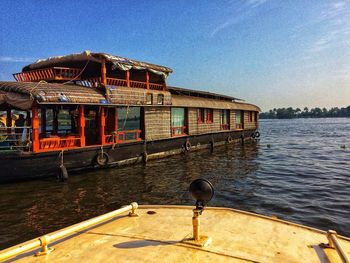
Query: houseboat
{"points": [[94, 110]]}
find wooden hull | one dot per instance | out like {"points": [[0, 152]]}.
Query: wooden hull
{"points": [[16, 166]]}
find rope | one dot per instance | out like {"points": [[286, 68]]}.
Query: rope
{"points": [[61, 158], [35, 87], [126, 117], [77, 76]]}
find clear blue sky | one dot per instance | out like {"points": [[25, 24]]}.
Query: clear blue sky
{"points": [[269, 52]]}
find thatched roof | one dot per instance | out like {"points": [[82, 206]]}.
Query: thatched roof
{"points": [[119, 62], [194, 102], [44, 92], [22, 94]]}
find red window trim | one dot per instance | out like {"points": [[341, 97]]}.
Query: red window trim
{"points": [[209, 115], [250, 116], [205, 116], [181, 128], [201, 115]]}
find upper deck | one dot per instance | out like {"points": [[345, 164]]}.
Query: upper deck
{"points": [[96, 69]]}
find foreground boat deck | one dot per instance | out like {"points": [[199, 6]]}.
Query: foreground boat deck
{"points": [[156, 235]]}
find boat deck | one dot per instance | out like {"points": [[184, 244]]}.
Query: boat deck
{"points": [[156, 235]]}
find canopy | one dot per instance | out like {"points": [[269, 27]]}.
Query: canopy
{"points": [[118, 62]]}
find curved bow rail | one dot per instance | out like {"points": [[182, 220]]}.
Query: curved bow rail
{"points": [[44, 241]]}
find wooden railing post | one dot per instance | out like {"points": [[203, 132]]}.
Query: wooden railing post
{"points": [[127, 77], [116, 125], [102, 125], [103, 72], [104, 76], [43, 120], [35, 127], [147, 80], [9, 120], [81, 126], [55, 121]]}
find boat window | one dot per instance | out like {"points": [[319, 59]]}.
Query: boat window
{"points": [[200, 113], [64, 120], [225, 119], [129, 123], [149, 99], [49, 121], [209, 115], [250, 116], [178, 120], [160, 99], [58, 121], [238, 117], [239, 121], [14, 132]]}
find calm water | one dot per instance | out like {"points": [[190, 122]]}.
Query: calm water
{"points": [[298, 172]]}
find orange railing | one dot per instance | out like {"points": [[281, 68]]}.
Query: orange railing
{"points": [[124, 136], [95, 82], [138, 84], [55, 73], [156, 86], [59, 142], [180, 130], [116, 82]]}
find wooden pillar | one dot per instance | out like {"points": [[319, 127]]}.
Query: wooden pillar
{"points": [[116, 120], [104, 77], [43, 120], [55, 121], [81, 126], [102, 125], [147, 80], [116, 125], [9, 120], [127, 77], [103, 72], [35, 129]]}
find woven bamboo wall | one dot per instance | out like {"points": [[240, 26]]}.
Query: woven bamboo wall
{"points": [[135, 96], [157, 123], [232, 119]]}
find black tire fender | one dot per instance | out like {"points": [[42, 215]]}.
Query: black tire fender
{"points": [[257, 134], [187, 145], [102, 159]]}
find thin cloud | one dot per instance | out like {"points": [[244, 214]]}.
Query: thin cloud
{"points": [[16, 59], [240, 13], [333, 23]]}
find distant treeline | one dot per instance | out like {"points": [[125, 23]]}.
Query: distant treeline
{"points": [[290, 113]]}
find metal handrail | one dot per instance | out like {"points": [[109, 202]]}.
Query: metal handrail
{"points": [[46, 239], [333, 243]]}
